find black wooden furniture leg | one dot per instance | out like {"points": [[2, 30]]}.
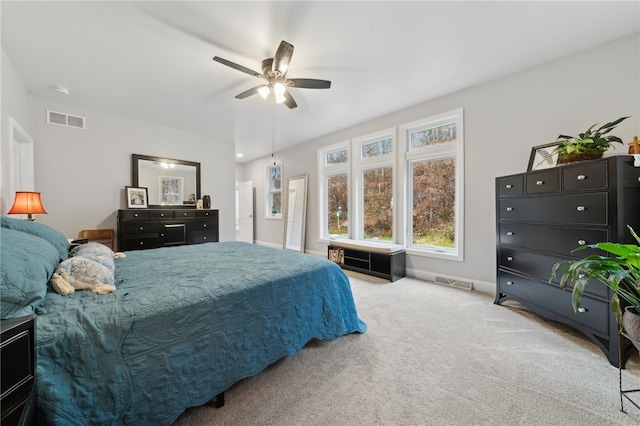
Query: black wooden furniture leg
{"points": [[219, 400]]}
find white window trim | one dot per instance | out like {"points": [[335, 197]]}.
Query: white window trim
{"points": [[433, 152], [359, 166], [268, 190], [325, 171]]}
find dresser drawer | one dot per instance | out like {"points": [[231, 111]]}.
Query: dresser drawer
{"points": [[161, 214], [140, 243], [199, 237], [584, 176], [207, 213], [554, 239], [182, 214], [510, 185], [539, 265], [593, 315], [542, 182], [140, 228], [587, 209], [134, 214], [203, 225]]}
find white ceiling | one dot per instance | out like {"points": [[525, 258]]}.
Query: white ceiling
{"points": [[152, 61]]}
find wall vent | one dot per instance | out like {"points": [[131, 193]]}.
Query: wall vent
{"points": [[451, 282], [62, 119]]}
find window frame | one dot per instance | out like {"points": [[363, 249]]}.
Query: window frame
{"points": [[359, 166], [326, 171], [434, 152], [270, 190]]}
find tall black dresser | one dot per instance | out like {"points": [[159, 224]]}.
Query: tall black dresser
{"points": [[542, 216]]}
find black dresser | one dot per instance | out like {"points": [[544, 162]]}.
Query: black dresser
{"points": [[140, 229], [542, 216]]}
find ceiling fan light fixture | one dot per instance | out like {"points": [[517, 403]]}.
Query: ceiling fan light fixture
{"points": [[264, 91], [278, 90]]}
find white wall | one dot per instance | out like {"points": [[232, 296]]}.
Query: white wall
{"points": [[503, 120], [82, 173], [16, 103]]}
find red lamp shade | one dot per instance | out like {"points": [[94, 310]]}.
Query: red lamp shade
{"points": [[28, 203]]}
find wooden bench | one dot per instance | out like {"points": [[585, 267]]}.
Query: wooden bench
{"points": [[375, 258]]}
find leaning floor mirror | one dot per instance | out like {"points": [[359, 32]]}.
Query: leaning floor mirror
{"points": [[296, 213]]}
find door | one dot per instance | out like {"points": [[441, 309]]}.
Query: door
{"points": [[244, 201]]}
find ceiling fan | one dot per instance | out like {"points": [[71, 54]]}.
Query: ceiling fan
{"points": [[274, 71]]}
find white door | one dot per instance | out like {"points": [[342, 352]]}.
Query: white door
{"points": [[245, 212]]}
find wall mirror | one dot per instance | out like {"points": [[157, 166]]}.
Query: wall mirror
{"points": [[296, 213], [170, 183]]}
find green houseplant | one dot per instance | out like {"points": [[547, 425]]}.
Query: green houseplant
{"points": [[620, 272], [588, 145]]}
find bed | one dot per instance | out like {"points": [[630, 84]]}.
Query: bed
{"points": [[183, 325]]}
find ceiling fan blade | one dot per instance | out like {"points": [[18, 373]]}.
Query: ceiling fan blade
{"points": [[309, 83], [249, 92], [289, 101], [237, 67], [283, 57], [267, 66]]}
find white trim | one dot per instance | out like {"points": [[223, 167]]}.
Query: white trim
{"points": [[324, 172]]}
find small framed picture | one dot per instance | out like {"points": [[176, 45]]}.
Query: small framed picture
{"points": [[543, 156], [137, 198]]}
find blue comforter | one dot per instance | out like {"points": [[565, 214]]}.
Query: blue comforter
{"points": [[184, 324]]}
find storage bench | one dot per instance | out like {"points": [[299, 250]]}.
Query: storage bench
{"points": [[369, 257]]}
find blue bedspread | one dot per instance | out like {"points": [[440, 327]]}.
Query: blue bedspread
{"points": [[184, 324]]}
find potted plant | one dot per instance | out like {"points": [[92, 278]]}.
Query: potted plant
{"points": [[620, 272], [589, 145]]}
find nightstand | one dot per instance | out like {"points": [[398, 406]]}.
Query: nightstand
{"points": [[17, 356]]}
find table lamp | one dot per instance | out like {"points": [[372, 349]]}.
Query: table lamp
{"points": [[28, 203]]}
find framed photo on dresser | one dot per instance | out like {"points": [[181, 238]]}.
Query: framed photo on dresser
{"points": [[137, 197], [543, 157]]}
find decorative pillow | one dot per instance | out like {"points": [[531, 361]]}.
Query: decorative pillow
{"points": [[90, 267], [83, 273], [27, 263], [58, 240]]}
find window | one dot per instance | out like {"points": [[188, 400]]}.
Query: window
{"points": [[374, 169], [274, 191], [434, 173], [333, 172]]}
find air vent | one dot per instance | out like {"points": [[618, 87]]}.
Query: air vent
{"points": [[466, 285], [62, 119]]}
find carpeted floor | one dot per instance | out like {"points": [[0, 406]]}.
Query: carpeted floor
{"points": [[434, 355]]}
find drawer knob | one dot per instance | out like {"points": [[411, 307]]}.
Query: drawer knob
{"points": [[509, 186], [581, 242], [582, 310], [141, 243], [581, 177], [204, 225], [206, 213], [135, 215], [539, 182], [509, 258], [204, 238], [185, 214], [142, 228], [161, 214], [509, 209], [509, 233], [510, 283], [581, 208]]}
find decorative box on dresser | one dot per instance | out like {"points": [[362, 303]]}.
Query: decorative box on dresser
{"points": [[140, 229], [542, 216]]}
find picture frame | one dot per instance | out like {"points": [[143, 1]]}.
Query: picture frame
{"points": [[543, 157], [137, 197], [171, 190]]}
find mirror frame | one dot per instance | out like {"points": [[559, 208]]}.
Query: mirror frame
{"points": [[135, 158], [292, 213]]}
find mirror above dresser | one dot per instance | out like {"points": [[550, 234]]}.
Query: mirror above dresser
{"points": [[170, 182]]}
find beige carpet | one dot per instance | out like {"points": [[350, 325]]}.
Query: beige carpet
{"points": [[434, 355]]}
